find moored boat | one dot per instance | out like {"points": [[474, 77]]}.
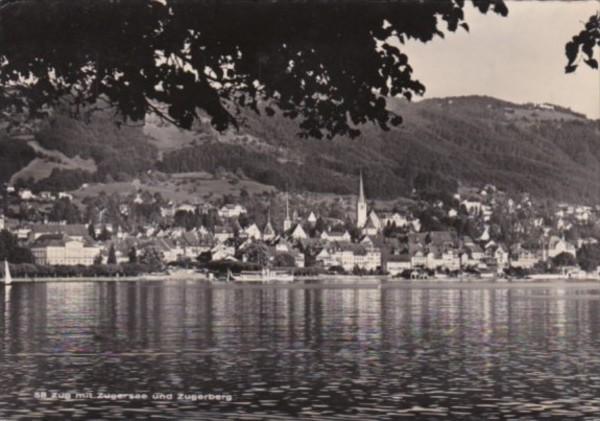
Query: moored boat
{"points": [[262, 276], [7, 276]]}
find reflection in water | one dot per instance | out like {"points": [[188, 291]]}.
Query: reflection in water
{"points": [[458, 353]]}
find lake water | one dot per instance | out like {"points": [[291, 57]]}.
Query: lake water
{"points": [[485, 352]]}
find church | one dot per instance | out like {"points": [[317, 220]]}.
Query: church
{"points": [[361, 205], [367, 222]]}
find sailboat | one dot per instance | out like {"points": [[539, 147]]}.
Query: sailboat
{"points": [[7, 277]]}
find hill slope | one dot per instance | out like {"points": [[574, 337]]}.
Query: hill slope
{"points": [[545, 150], [548, 151]]}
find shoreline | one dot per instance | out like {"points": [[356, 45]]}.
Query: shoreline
{"points": [[334, 281]]}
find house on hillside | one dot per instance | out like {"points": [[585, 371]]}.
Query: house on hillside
{"points": [[231, 211]]}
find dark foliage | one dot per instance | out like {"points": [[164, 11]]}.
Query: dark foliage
{"points": [[65, 210], [11, 251], [564, 259], [583, 44], [320, 63], [588, 257], [14, 155], [61, 180]]}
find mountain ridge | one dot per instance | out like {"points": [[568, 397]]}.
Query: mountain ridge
{"points": [[547, 150]]}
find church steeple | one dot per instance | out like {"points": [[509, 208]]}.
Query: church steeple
{"points": [[287, 222], [361, 190], [361, 206]]}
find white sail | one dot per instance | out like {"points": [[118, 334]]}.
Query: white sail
{"points": [[7, 277]]}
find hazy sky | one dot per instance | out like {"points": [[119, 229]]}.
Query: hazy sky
{"points": [[519, 58]]}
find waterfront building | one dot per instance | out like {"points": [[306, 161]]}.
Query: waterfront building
{"points": [[59, 249], [396, 264], [524, 258], [501, 256], [557, 245], [350, 256]]}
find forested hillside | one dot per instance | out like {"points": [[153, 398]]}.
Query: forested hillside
{"points": [[542, 149], [548, 151]]}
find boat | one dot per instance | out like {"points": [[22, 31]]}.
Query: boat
{"points": [[262, 276], [220, 278], [7, 276]]}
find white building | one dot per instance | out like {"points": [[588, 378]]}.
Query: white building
{"points": [[394, 218], [557, 245], [397, 264], [253, 232], [298, 233], [349, 256], [232, 211], [26, 194], [62, 250], [336, 236]]}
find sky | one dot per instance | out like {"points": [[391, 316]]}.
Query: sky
{"points": [[518, 58]]}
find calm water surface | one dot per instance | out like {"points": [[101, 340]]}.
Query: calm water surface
{"points": [[410, 352]]}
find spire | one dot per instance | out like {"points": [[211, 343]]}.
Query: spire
{"points": [[287, 222], [287, 205], [361, 192], [361, 205]]}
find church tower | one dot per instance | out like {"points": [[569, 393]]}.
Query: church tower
{"points": [[361, 206], [287, 222]]}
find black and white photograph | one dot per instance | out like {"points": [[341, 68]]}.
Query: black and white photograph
{"points": [[345, 210]]}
